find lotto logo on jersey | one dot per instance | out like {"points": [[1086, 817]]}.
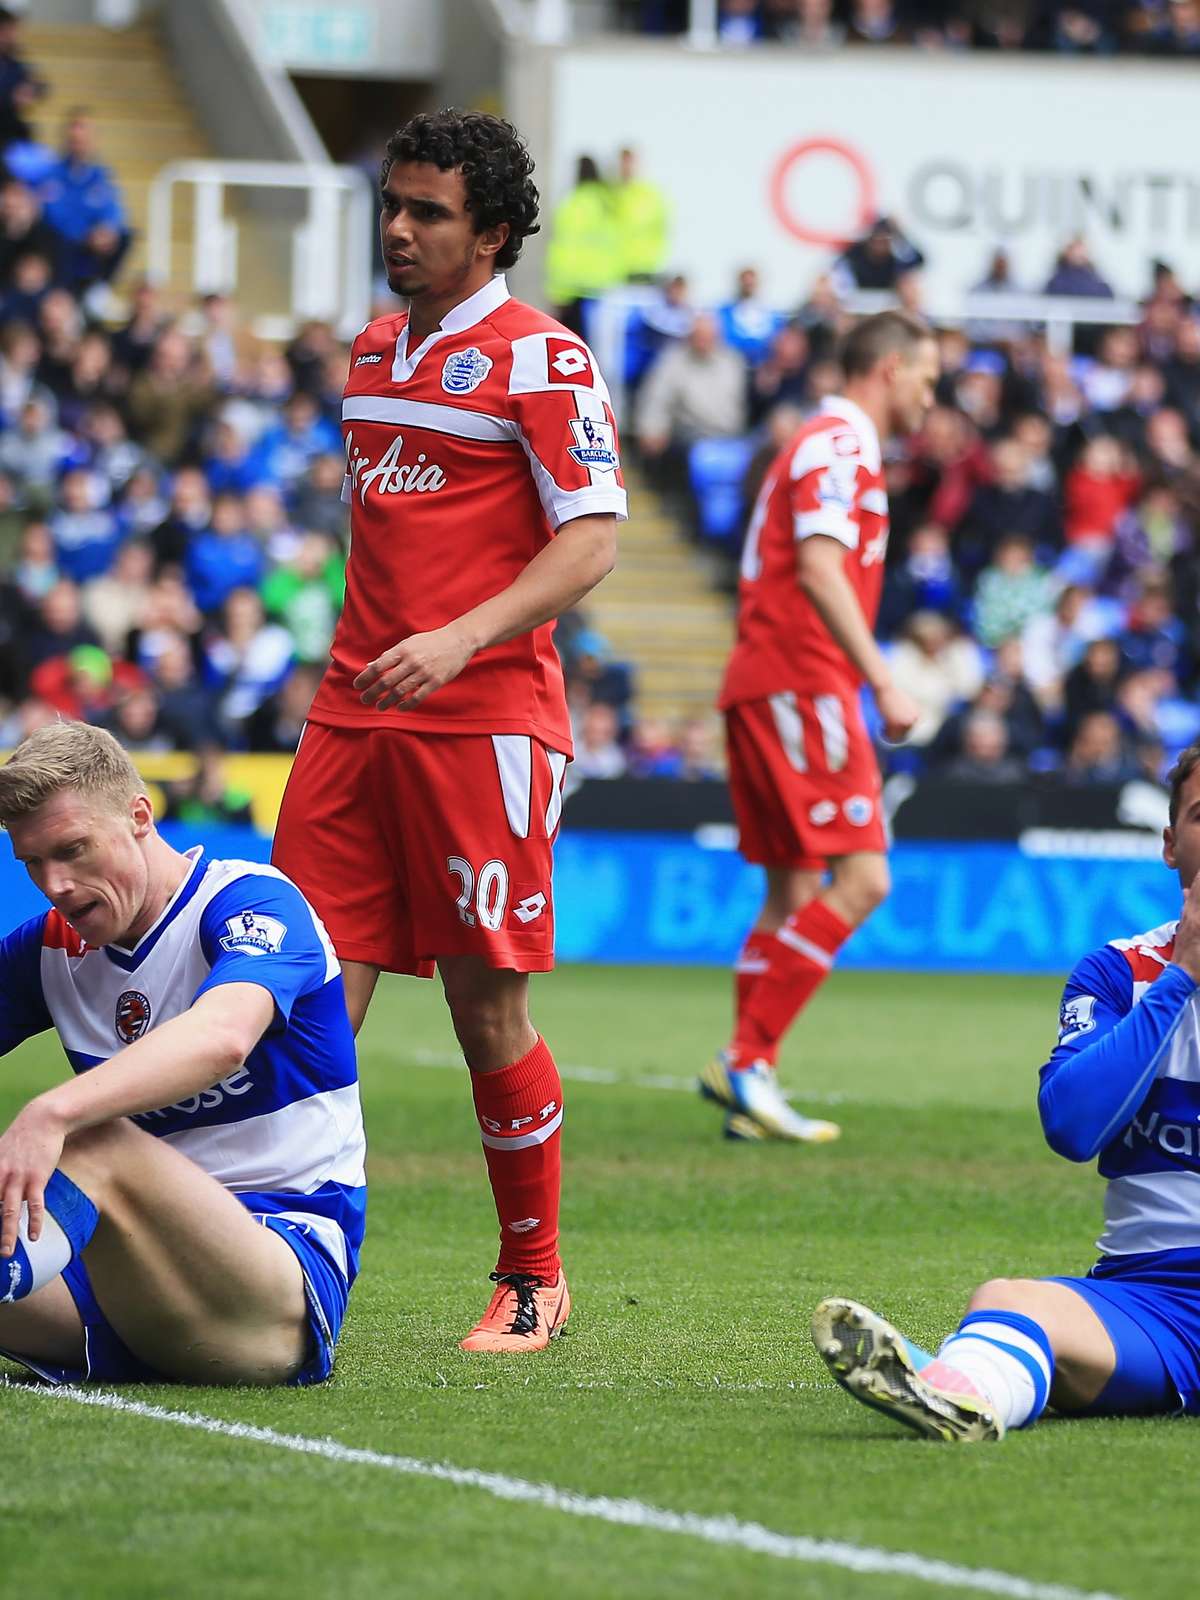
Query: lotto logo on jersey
{"points": [[465, 370], [133, 1015], [595, 444], [567, 363], [253, 933]]}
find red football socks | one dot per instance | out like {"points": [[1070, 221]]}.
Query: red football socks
{"points": [[754, 960], [802, 954], [520, 1115]]}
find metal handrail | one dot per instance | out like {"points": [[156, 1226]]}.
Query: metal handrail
{"points": [[331, 254]]}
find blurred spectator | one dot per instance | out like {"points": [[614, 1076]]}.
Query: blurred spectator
{"points": [[938, 667], [224, 556], [739, 22], [134, 343], [748, 323], [86, 530], [34, 453], [246, 658], [284, 452], [82, 203], [190, 512], [227, 464], [1155, 636], [1096, 753], [185, 705], [589, 663], [309, 354], [652, 750], [143, 505], [134, 721], [317, 502], [696, 390], [877, 260], [115, 603], [19, 355], [642, 214], [207, 799], [1011, 591], [20, 86], [1009, 504], [584, 254], [925, 580], [1053, 642], [1075, 274], [1097, 490], [984, 757], [35, 570], [24, 230], [169, 398], [109, 451], [1091, 684], [59, 625], [699, 761], [278, 722], [305, 594], [782, 377], [598, 753]]}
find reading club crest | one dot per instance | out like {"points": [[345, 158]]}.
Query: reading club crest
{"points": [[133, 1015], [465, 370]]}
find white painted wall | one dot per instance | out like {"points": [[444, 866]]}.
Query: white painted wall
{"points": [[967, 152]]}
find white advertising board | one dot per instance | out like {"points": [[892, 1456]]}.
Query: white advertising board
{"points": [[771, 156]]}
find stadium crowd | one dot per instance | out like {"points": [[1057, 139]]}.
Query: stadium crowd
{"points": [[1080, 27]]}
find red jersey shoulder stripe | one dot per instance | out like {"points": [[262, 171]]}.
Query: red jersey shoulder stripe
{"points": [[58, 934]]}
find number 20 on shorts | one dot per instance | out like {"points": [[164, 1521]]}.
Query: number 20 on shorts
{"points": [[482, 897]]}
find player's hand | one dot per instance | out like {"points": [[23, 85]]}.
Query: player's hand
{"points": [[899, 712], [1187, 935], [410, 671], [30, 1149]]}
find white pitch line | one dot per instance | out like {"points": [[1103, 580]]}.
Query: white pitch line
{"points": [[575, 1073], [625, 1512]]}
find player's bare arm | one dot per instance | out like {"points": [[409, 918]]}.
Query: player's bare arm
{"points": [[181, 1057], [559, 576], [820, 573]]}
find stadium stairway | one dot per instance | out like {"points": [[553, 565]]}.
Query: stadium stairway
{"points": [[143, 117], [660, 609]]}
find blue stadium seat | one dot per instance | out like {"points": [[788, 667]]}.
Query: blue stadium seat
{"points": [[717, 468]]}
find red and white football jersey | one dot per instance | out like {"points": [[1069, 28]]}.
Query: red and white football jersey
{"points": [[827, 480], [464, 456]]}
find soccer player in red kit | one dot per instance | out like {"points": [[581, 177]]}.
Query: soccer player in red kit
{"points": [[484, 490], [803, 775]]}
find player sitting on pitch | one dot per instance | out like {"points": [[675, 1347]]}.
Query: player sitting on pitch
{"points": [[1123, 1083], [190, 1206]]}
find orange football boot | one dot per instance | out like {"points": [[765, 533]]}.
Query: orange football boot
{"points": [[524, 1314]]}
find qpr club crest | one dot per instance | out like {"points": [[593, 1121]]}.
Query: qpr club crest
{"points": [[595, 446], [133, 1015], [465, 370]]}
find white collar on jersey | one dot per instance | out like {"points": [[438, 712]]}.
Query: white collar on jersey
{"points": [[837, 405], [458, 319]]}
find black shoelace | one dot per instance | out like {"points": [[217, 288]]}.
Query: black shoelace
{"points": [[525, 1318]]}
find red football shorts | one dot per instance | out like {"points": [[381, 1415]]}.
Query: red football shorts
{"points": [[804, 780], [413, 846]]}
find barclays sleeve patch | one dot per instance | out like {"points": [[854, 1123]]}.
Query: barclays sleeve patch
{"points": [[595, 444], [1076, 1017], [253, 933]]}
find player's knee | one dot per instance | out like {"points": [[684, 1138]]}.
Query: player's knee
{"points": [[93, 1158], [864, 885], [1002, 1294]]}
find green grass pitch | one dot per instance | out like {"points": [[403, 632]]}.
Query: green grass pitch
{"points": [[686, 1379]]}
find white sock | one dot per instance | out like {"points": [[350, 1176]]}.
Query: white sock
{"points": [[1008, 1358]]}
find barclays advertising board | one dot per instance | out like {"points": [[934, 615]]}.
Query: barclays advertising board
{"points": [[663, 898]]}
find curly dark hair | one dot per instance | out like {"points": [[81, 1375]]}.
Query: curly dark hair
{"points": [[493, 160]]}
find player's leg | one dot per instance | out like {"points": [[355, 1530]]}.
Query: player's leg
{"points": [[46, 1327], [518, 1103], [186, 1278], [334, 840], [359, 979], [1023, 1343], [478, 818], [788, 890]]}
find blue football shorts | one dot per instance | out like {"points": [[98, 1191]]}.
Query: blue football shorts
{"points": [[107, 1359], [1150, 1306]]}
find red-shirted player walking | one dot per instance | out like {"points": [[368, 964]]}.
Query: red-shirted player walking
{"points": [[802, 772], [484, 488]]}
